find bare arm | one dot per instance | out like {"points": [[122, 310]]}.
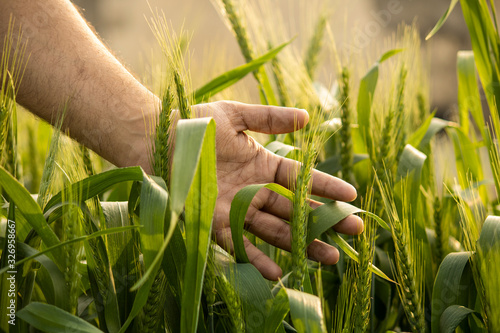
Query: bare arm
{"points": [[108, 109], [106, 104]]}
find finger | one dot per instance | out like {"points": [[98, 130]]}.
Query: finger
{"points": [[276, 232], [278, 205], [351, 225], [281, 207], [268, 268], [268, 119], [323, 184]]}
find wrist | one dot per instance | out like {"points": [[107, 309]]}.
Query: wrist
{"points": [[135, 133]]}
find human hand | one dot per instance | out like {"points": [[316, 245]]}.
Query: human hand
{"points": [[241, 161]]}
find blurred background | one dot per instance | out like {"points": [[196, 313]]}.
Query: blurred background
{"points": [[356, 24]]}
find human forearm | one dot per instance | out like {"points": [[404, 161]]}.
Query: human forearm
{"points": [[107, 108]]}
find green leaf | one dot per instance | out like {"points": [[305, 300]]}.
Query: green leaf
{"points": [[280, 148], [490, 235], [251, 287], [20, 197], [417, 136], [239, 209], [49, 318], [189, 141], [435, 126], [326, 216], [453, 316], [190, 134], [276, 309], [366, 92], [485, 40], [322, 219], [353, 254], [71, 241], [411, 163], [56, 293], [231, 77], [442, 19], [174, 267], [467, 158], [153, 209], [468, 93], [447, 285], [97, 184], [200, 205], [306, 312], [122, 254]]}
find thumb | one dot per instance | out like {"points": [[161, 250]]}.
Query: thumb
{"points": [[269, 119]]}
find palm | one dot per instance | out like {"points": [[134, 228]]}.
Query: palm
{"points": [[241, 161]]}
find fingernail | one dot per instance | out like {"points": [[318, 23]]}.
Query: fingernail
{"points": [[360, 225]]}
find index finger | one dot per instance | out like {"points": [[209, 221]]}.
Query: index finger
{"points": [[323, 184], [268, 119]]}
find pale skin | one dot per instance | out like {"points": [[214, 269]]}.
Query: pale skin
{"points": [[107, 109]]}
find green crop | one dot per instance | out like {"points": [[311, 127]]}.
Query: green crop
{"points": [[123, 251]]}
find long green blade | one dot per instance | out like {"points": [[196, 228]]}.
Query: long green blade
{"points": [[28, 207], [97, 184], [366, 92], [200, 205], [447, 286], [231, 77], [353, 254], [71, 241], [453, 316], [443, 19], [239, 209], [306, 312], [49, 318]]}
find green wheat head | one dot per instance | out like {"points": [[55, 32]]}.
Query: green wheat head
{"points": [[315, 45]]}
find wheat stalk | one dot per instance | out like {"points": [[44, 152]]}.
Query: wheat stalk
{"points": [[162, 144], [238, 26], [400, 134], [300, 216], [280, 82], [182, 99], [152, 313], [233, 302], [72, 229], [422, 107], [315, 46], [346, 154], [345, 306], [87, 162], [363, 274], [407, 256], [438, 219]]}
